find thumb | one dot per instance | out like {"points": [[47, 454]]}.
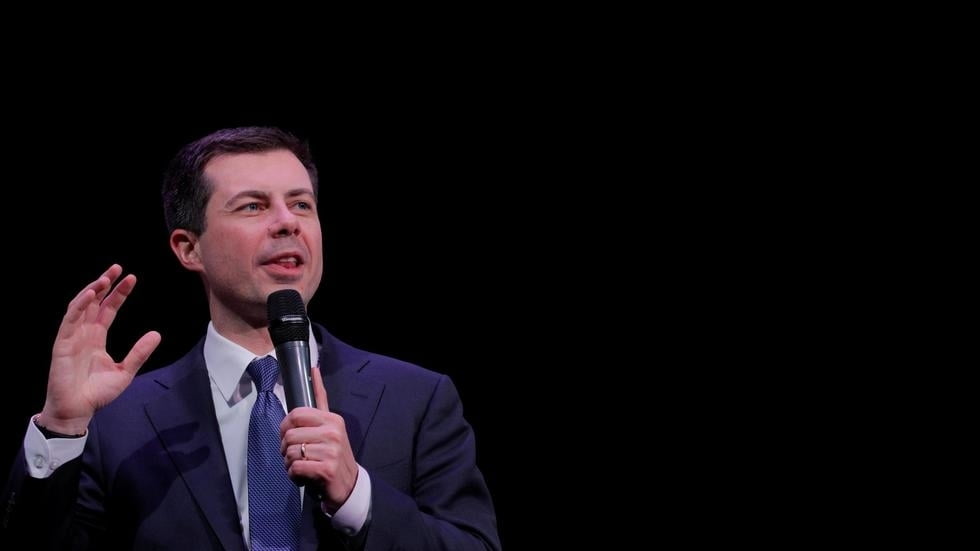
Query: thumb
{"points": [[140, 352], [319, 391]]}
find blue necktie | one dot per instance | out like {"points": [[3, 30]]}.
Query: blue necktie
{"points": [[273, 499]]}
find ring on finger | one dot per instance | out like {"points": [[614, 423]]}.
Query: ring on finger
{"points": [[302, 450]]}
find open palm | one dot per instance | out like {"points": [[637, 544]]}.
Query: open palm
{"points": [[83, 376]]}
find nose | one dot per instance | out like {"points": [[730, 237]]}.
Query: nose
{"points": [[284, 222]]}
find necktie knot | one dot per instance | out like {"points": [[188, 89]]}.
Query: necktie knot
{"points": [[265, 373]]}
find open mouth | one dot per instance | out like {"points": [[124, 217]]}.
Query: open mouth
{"points": [[289, 261], [285, 263]]}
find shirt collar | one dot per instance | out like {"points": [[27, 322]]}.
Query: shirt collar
{"points": [[226, 361]]}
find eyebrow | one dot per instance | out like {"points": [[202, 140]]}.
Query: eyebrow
{"points": [[256, 194]]}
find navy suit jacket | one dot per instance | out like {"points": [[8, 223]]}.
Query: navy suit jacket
{"points": [[153, 474]]}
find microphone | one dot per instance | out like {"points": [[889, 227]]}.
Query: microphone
{"points": [[290, 331]]}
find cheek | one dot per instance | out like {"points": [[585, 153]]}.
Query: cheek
{"points": [[222, 251], [315, 240]]}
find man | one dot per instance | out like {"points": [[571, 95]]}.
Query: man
{"points": [[165, 460]]}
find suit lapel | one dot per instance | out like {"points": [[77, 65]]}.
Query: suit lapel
{"points": [[356, 400], [186, 424], [352, 394]]}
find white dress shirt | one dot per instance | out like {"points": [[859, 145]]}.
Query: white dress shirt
{"points": [[233, 393]]}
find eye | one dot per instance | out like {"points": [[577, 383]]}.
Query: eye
{"points": [[251, 207], [304, 205]]}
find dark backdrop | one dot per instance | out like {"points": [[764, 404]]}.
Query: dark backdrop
{"points": [[427, 249]]}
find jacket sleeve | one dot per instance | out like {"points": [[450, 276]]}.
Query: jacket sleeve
{"points": [[38, 509], [450, 508], [57, 512]]}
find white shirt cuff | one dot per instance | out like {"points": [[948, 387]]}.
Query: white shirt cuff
{"points": [[44, 455], [352, 515]]}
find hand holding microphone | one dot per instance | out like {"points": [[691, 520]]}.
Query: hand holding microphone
{"points": [[314, 443]]}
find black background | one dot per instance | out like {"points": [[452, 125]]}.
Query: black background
{"points": [[430, 211]]}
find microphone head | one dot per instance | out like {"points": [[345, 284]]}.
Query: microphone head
{"points": [[287, 317]]}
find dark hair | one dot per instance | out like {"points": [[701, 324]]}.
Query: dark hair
{"points": [[186, 190]]}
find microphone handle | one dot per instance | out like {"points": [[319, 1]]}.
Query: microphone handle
{"points": [[297, 380]]}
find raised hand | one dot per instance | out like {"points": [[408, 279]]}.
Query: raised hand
{"points": [[83, 377]]}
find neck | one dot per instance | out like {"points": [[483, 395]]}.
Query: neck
{"points": [[254, 337]]}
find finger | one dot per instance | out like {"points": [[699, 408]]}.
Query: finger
{"points": [[141, 351], [83, 299], [303, 416], [110, 306], [305, 470], [78, 305], [101, 287], [285, 425], [294, 452], [319, 391], [308, 474], [107, 277], [103, 284], [299, 435], [309, 417]]}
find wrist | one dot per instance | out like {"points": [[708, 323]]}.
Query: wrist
{"points": [[63, 429]]}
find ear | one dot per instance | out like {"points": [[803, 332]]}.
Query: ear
{"points": [[186, 246]]}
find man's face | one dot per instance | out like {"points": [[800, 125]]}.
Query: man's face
{"points": [[262, 232]]}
